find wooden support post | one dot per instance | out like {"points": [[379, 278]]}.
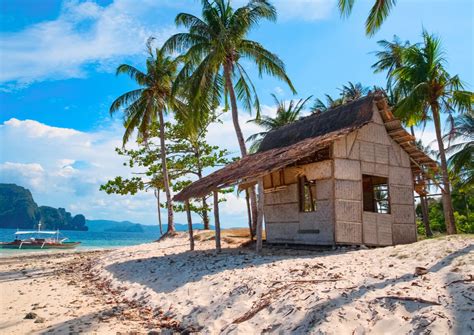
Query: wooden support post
{"points": [[249, 213], [216, 221], [260, 215], [190, 225]]}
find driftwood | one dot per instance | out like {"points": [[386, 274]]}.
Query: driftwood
{"points": [[415, 299]]}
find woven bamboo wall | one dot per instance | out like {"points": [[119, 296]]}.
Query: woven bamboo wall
{"points": [[283, 220], [371, 151]]}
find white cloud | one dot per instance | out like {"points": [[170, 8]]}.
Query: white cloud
{"points": [[65, 168], [33, 173], [84, 34]]}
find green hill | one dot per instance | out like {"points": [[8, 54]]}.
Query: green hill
{"points": [[19, 210]]}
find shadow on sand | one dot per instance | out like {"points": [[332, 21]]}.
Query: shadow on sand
{"points": [[159, 274]]}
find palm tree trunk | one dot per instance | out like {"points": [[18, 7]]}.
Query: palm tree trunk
{"points": [[446, 191], [426, 219], [205, 214], [240, 139], [166, 184], [157, 196]]}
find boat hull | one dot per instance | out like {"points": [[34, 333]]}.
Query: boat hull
{"points": [[64, 245]]}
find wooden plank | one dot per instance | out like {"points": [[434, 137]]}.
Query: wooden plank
{"points": [[260, 213]]}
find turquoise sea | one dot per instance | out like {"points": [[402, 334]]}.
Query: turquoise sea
{"points": [[89, 240]]}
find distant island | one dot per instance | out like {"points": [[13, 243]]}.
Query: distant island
{"points": [[19, 210], [131, 227]]}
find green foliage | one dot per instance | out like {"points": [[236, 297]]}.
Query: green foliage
{"points": [[377, 15], [463, 204], [188, 156], [214, 48], [460, 141], [348, 93], [142, 106]]}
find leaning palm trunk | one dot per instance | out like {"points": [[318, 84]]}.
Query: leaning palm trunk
{"points": [[166, 184], [240, 139], [446, 190]]}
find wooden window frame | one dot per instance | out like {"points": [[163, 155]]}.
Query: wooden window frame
{"points": [[304, 183], [374, 199]]}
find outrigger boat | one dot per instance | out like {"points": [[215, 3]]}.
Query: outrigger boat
{"points": [[39, 239]]}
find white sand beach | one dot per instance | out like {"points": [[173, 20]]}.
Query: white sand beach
{"points": [[421, 288]]}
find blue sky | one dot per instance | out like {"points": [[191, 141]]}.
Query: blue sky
{"points": [[57, 62]]}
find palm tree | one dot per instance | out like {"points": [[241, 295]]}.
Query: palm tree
{"points": [[391, 58], [461, 160], [285, 114], [320, 106], [377, 15], [351, 91], [431, 89], [148, 104], [214, 47], [348, 93]]}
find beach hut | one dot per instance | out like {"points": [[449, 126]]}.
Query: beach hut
{"points": [[344, 176]]}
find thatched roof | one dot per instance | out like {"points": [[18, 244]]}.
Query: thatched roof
{"points": [[351, 115], [302, 139]]}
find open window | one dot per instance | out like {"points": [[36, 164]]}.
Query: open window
{"points": [[307, 190], [376, 194]]}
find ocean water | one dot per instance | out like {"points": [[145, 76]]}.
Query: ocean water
{"points": [[89, 240]]}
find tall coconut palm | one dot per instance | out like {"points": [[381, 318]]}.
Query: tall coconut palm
{"points": [[285, 114], [148, 104], [377, 15], [214, 47], [432, 90], [461, 148], [391, 58]]}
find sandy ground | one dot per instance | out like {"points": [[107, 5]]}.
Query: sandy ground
{"points": [[63, 301], [422, 288]]}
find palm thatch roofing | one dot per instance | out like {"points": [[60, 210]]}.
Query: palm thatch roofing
{"points": [[302, 139]]}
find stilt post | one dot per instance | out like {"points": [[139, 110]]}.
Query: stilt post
{"points": [[260, 215], [216, 221], [190, 225]]}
